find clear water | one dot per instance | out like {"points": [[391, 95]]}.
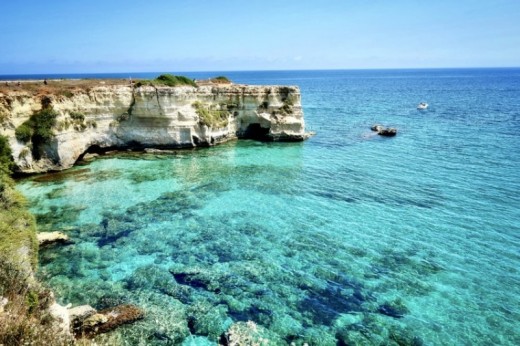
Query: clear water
{"points": [[348, 238]]}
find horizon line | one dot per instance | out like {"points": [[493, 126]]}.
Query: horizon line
{"points": [[272, 70]]}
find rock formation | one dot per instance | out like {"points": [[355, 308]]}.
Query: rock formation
{"points": [[384, 131], [101, 116], [89, 322], [47, 238]]}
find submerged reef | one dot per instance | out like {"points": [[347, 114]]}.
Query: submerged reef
{"points": [[230, 279]]}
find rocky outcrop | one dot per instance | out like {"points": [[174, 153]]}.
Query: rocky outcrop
{"points": [[104, 116], [48, 238], [89, 323], [384, 131]]}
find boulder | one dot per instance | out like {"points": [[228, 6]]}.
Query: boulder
{"points": [[47, 238], [59, 313], [384, 131], [377, 127], [90, 156], [94, 321], [388, 132], [3, 302], [80, 313]]}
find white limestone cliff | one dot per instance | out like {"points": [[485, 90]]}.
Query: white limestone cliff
{"points": [[124, 116]]}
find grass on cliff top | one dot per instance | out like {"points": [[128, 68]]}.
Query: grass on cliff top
{"points": [[168, 80], [61, 88], [221, 80]]}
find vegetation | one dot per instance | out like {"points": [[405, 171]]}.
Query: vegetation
{"points": [[168, 80], [221, 80], [38, 129], [24, 132], [6, 160], [171, 80], [77, 116], [23, 301], [17, 227], [25, 320], [214, 118]]}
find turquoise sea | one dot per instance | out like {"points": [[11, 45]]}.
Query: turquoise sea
{"points": [[345, 239]]}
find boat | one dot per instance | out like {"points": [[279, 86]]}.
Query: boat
{"points": [[422, 105]]}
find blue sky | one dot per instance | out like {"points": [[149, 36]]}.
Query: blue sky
{"points": [[129, 36]]}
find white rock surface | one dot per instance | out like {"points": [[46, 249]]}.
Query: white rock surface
{"points": [[51, 237], [61, 315], [79, 313]]}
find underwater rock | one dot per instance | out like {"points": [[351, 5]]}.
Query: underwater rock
{"points": [[90, 156], [248, 333], [404, 337], [326, 304], [106, 320], [47, 238], [395, 309], [159, 151], [94, 320]]}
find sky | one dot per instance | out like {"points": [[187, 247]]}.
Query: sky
{"points": [[98, 36]]}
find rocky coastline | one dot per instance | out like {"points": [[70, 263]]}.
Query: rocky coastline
{"points": [[49, 127], [105, 115]]}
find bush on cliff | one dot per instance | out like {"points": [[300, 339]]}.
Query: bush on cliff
{"points": [[172, 80], [212, 118], [38, 129], [168, 80], [24, 132], [221, 80], [6, 157]]}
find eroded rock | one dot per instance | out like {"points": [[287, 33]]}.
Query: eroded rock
{"points": [[388, 132], [108, 319], [384, 131], [47, 238], [78, 314], [106, 117]]}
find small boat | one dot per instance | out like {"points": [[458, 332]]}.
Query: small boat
{"points": [[422, 105]]}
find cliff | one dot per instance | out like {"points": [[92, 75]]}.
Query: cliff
{"points": [[101, 114]]}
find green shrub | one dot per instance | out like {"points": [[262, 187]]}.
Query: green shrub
{"points": [[143, 83], [211, 117], [221, 80], [43, 122], [77, 116], [6, 158], [171, 80], [24, 132], [38, 129]]}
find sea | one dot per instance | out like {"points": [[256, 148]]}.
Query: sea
{"points": [[348, 238]]}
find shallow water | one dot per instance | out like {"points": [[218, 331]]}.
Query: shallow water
{"points": [[348, 237]]}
